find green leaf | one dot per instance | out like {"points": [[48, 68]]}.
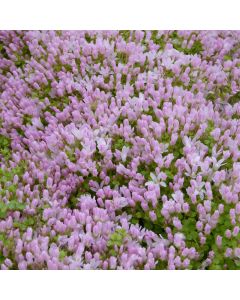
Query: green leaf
{"points": [[3, 214], [62, 254], [234, 99]]}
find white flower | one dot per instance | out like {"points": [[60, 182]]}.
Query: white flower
{"points": [[102, 143], [178, 196], [216, 153], [200, 191], [88, 148], [159, 241], [101, 138], [195, 158], [120, 202], [190, 172], [77, 133], [201, 194], [96, 132], [180, 235], [124, 153], [188, 142], [37, 122], [156, 180], [217, 164], [164, 147]]}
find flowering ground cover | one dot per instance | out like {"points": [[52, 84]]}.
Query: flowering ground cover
{"points": [[119, 150]]}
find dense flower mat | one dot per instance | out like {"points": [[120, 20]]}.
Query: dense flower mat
{"points": [[119, 150]]}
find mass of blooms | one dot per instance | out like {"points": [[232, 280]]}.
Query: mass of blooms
{"points": [[119, 150]]}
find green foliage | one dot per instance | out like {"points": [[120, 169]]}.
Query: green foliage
{"points": [[100, 59], [21, 58], [20, 131], [152, 113], [44, 121], [20, 63], [97, 156], [125, 34], [223, 91], [57, 68], [206, 138], [116, 239], [169, 73], [165, 138], [27, 119], [158, 40], [26, 51], [60, 103], [219, 260], [133, 124], [120, 120], [29, 221], [3, 51], [3, 210], [122, 58], [118, 143], [228, 163], [12, 205], [234, 99], [43, 92], [78, 64], [107, 79], [62, 254], [15, 205], [189, 229], [5, 147], [57, 102], [5, 177], [161, 265], [71, 155], [146, 169], [211, 96], [176, 150], [136, 65], [192, 239], [68, 68], [177, 41], [6, 240], [9, 245], [197, 48], [73, 199], [80, 190], [227, 57], [174, 35], [124, 79], [142, 68], [89, 38], [117, 180], [140, 217]]}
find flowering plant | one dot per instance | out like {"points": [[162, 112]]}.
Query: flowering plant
{"points": [[119, 150]]}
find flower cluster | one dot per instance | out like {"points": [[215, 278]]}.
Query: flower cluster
{"points": [[119, 150]]}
